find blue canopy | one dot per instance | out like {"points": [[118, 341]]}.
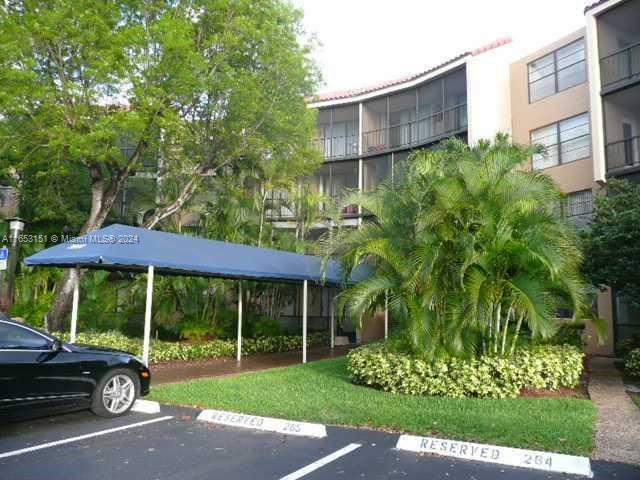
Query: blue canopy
{"points": [[121, 247]]}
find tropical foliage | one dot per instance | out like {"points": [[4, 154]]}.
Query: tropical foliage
{"points": [[612, 253], [91, 93], [538, 368], [632, 363], [167, 351], [469, 247]]}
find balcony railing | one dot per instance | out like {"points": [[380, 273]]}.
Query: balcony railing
{"points": [[416, 132], [279, 206], [620, 66], [337, 147], [623, 153]]}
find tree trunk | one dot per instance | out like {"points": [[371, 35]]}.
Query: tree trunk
{"points": [[504, 332], [102, 199], [515, 336]]}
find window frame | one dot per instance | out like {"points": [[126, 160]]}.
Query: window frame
{"points": [[565, 205], [554, 53], [558, 143]]}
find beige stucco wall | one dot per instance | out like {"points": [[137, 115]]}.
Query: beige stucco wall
{"points": [[373, 328], [571, 177]]}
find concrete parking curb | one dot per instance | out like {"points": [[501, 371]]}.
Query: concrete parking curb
{"points": [[514, 457], [145, 406], [268, 424]]}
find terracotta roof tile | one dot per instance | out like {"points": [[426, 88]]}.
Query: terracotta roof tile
{"points": [[591, 5]]}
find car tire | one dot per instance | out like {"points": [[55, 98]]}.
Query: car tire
{"points": [[111, 401]]}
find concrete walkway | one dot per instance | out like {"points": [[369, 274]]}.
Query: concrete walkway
{"points": [[216, 367], [618, 424]]}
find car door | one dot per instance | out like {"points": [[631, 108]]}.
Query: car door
{"points": [[34, 374]]}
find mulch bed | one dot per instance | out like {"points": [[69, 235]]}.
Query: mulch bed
{"points": [[578, 392]]}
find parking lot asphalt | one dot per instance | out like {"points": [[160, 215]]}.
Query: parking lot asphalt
{"points": [[174, 445]]}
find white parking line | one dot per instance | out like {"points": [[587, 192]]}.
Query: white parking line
{"points": [[322, 462], [13, 453]]}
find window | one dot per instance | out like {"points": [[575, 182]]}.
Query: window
{"points": [[579, 204], [557, 71], [578, 208], [13, 337], [565, 142]]}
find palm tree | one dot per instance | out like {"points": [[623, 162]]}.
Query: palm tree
{"points": [[468, 246]]}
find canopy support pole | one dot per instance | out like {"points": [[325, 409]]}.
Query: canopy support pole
{"points": [[239, 347], [332, 322], [147, 316], [75, 272], [304, 322], [386, 315]]}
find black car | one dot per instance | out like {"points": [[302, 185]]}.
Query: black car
{"points": [[40, 375]]}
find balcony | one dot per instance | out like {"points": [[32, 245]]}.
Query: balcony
{"points": [[430, 128], [337, 147], [622, 129], [620, 67], [618, 35], [623, 154], [338, 135], [279, 206]]}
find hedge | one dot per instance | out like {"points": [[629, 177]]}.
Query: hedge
{"points": [[547, 367], [162, 351], [632, 363]]}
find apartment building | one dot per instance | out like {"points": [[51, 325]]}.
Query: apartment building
{"points": [[613, 47], [579, 96], [550, 105], [364, 133], [613, 44]]}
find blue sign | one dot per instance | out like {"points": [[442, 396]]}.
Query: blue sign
{"points": [[4, 255]]}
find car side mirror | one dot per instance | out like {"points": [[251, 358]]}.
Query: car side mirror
{"points": [[56, 346]]}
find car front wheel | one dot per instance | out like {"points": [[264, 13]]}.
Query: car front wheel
{"points": [[115, 393]]}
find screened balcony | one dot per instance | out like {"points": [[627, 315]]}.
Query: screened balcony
{"points": [[417, 116], [334, 180], [279, 205], [375, 170], [338, 132], [622, 130], [619, 45]]}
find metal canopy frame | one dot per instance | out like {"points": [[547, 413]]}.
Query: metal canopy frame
{"points": [[204, 258], [146, 345]]}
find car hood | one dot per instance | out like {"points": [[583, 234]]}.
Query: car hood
{"points": [[96, 349]]}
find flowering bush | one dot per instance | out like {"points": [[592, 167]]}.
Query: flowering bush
{"points": [[632, 363], [162, 351], [538, 367]]}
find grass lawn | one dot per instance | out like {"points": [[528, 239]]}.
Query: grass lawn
{"points": [[321, 391], [636, 399]]}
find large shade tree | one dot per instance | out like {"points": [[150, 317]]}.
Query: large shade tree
{"points": [[468, 246], [90, 90]]}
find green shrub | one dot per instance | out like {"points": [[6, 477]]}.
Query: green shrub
{"points": [[162, 351], [624, 347], [569, 333], [632, 363], [536, 367]]}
